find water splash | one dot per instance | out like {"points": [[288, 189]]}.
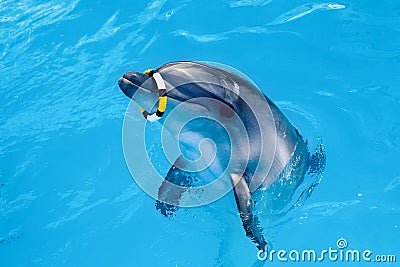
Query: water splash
{"points": [[277, 204]]}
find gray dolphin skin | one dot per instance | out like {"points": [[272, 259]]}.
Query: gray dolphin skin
{"points": [[250, 165]]}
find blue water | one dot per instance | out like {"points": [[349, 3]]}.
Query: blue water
{"points": [[66, 195]]}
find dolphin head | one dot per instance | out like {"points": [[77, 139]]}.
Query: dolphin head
{"points": [[139, 87], [132, 81], [185, 81]]}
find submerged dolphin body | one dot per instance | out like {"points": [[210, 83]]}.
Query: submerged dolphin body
{"points": [[270, 142]]}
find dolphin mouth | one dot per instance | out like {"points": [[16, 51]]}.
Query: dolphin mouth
{"points": [[130, 82]]}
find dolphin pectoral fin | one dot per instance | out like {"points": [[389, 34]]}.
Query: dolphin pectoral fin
{"points": [[245, 206], [170, 195]]}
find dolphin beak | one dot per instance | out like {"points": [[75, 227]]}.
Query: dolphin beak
{"points": [[132, 81]]}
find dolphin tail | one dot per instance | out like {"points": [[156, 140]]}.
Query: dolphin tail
{"points": [[169, 195], [245, 206]]}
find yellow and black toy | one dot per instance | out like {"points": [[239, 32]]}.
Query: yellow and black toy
{"points": [[162, 97]]}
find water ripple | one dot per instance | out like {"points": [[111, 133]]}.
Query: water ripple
{"points": [[393, 184], [302, 11], [242, 3], [151, 12], [107, 30], [312, 212], [80, 199], [23, 21], [149, 43], [323, 209], [79, 93], [289, 16], [23, 201], [201, 38], [367, 50], [75, 215], [127, 194], [205, 38]]}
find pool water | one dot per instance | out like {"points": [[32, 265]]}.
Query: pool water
{"points": [[66, 195]]}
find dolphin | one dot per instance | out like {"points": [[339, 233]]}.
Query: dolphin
{"points": [[250, 154]]}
